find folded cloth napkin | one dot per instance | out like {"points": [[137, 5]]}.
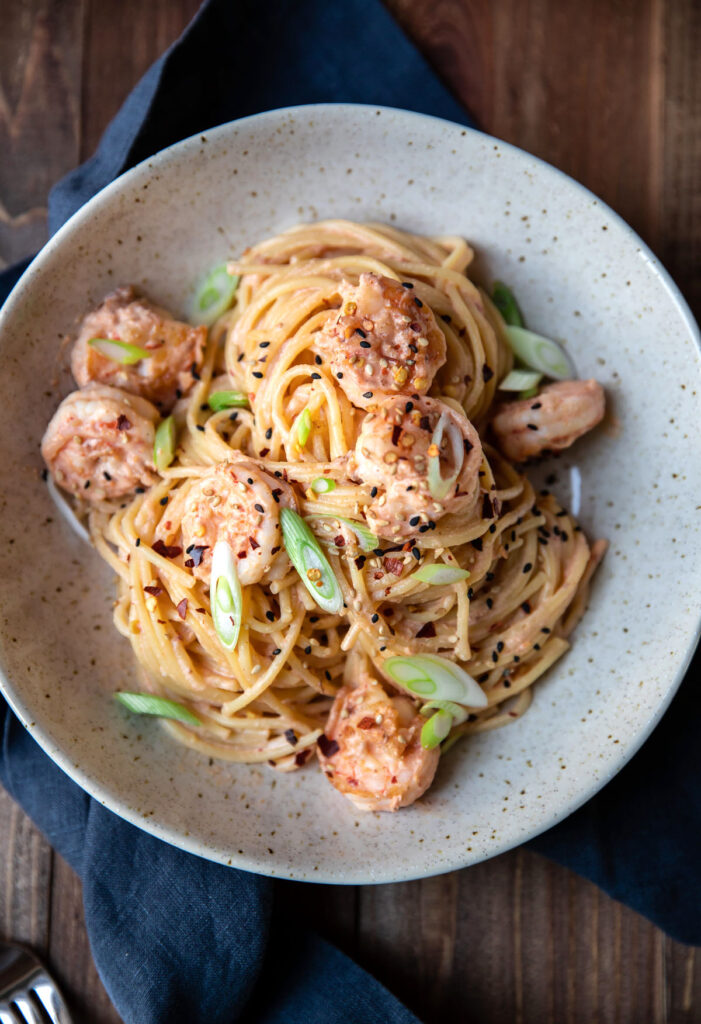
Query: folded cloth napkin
{"points": [[195, 941]]}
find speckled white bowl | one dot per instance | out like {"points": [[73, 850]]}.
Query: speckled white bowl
{"points": [[580, 274]]}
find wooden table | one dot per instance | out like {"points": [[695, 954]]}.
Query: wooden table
{"points": [[607, 90]]}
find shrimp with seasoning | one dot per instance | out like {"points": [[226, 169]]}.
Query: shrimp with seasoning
{"points": [[371, 751], [99, 443], [383, 340], [175, 349], [392, 453], [550, 421], [237, 502]]}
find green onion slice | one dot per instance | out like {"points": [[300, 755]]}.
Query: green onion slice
{"points": [[503, 299], [436, 729], [119, 351], [310, 562], [539, 353], [215, 294], [441, 486], [520, 380], [302, 426], [456, 711], [440, 574], [148, 704], [164, 444], [366, 538], [219, 400], [323, 485], [428, 675], [225, 595], [529, 393]]}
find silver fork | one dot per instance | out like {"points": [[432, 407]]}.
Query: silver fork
{"points": [[28, 993]]}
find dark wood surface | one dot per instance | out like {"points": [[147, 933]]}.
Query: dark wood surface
{"points": [[608, 90]]}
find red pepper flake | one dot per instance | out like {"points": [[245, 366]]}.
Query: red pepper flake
{"points": [[254, 543], [327, 747], [291, 737], [427, 630], [339, 541], [154, 590], [166, 550], [242, 554], [302, 757], [360, 561], [394, 780], [393, 565], [367, 723], [181, 608], [189, 563], [264, 451], [425, 423], [123, 423], [396, 434]]}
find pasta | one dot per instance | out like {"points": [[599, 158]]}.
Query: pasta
{"points": [[437, 543]]}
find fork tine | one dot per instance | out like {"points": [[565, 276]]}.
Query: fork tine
{"points": [[26, 1011], [50, 998], [6, 1015]]}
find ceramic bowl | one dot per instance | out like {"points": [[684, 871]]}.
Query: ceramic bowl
{"points": [[580, 274]]}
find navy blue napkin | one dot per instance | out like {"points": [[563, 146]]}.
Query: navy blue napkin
{"points": [[195, 941]]}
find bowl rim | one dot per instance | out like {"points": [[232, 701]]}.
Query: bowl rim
{"points": [[94, 786]]}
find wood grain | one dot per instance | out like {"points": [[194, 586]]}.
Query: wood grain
{"points": [[609, 91]]}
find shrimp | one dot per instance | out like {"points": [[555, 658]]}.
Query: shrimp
{"points": [[99, 443], [550, 421], [383, 340], [392, 453], [237, 502], [371, 751], [176, 349]]}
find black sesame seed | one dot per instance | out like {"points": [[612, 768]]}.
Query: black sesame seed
{"points": [[545, 629], [536, 405], [204, 407], [489, 576], [416, 553], [163, 501], [106, 475], [526, 607], [495, 656], [477, 543], [316, 376], [270, 616], [257, 374], [361, 333], [86, 485], [367, 394], [414, 521], [268, 433], [493, 528], [365, 344], [138, 542], [407, 284], [490, 602], [178, 393], [250, 481], [536, 647], [339, 375], [373, 492], [527, 567], [378, 551], [139, 490], [375, 618], [507, 684], [500, 646], [470, 594], [264, 344], [445, 318], [193, 371], [487, 373], [531, 426], [408, 407], [423, 528], [277, 651], [317, 360], [259, 508], [308, 649], [516, 658], [418, 302]]}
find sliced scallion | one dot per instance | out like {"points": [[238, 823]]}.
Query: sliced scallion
{"points": [[215, 294], [436, 729], [366, 538], [456, 711], [520, 380], [219, 400], [323, 485], [428, 675], [440, 574], [148, 704], [310, 562], [225, 595], [119, 351], [539, 353], [164, 444], [302, 426], [438, 485], [503, 299], [529, 393]]}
